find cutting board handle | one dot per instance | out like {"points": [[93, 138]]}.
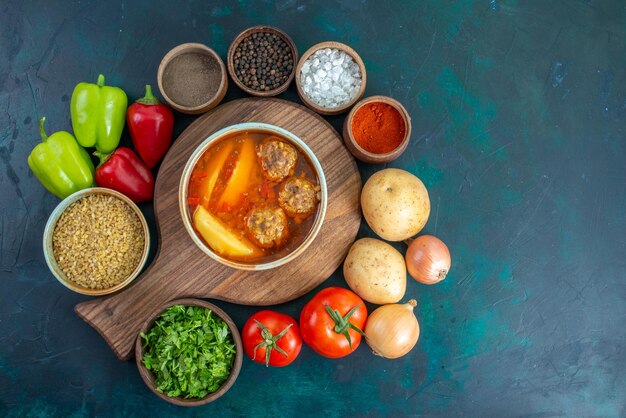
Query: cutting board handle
{"points": [[181, 268], [119, 317]]}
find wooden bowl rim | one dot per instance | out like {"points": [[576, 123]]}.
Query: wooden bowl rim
{"points": [[244, 34], [332, 45], [367, 156], [186, 48], [146, 375], [49, 233]]}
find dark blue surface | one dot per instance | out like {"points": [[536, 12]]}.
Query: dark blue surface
{"points": [[519, 133]]}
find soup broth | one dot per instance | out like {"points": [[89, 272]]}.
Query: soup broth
{"points": [[253, 197]]}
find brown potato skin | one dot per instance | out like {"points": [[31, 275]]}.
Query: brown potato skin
{"points": [[395, 204], [375, 271]]}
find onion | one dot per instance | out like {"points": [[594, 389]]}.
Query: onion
{"points": [[392, 330], [428, 259]]}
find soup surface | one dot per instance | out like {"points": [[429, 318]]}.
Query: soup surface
{"points": [[253, 197]]}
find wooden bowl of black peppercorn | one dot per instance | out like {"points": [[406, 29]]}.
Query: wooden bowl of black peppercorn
{"points": [[262, 61]]}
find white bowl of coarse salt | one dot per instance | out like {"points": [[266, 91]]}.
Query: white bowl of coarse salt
{"points": [[330, 77]]}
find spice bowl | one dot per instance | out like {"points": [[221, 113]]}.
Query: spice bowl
{"points": [[192, 78], [235, 55], [148, 377], [342, 48], [48, 246], [368, 156]]}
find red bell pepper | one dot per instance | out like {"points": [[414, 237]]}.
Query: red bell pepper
{"points": [[123, 171], [151, 124]]}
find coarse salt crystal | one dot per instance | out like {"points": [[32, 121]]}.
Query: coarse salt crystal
{"points": [[336, 77], [336, 90]]}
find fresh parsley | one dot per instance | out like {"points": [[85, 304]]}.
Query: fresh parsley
{"points": [[190, 351]]}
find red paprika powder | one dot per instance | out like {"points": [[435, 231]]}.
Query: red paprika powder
{"points": [[378, 127]]}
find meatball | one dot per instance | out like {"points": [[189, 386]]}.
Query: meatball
{"points": [[276, 158], [267, 227], [298, 196]]}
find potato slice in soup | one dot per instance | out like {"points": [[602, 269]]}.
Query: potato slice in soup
{"points": [[239, 180], [220, 238], [215, 168]]}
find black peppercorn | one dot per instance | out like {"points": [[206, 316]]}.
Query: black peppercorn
{"points": [[263, 61]]}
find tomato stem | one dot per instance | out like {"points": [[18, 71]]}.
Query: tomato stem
{"points": [[269, 342], [343, 324]]}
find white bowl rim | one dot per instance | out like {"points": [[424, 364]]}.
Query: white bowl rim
{"points": [[215, 137]]}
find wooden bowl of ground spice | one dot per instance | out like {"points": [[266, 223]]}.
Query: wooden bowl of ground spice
{"points": [[192, 78], [262, 60], [96, 241], [377, 130]]}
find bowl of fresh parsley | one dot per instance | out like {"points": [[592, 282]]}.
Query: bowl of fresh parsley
{"points": [[189, 352]]}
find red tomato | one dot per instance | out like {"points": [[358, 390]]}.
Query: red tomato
{"points": [[332, 321], [272, 338]]}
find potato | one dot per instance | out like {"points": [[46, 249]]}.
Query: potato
{"points": [[395, 204], [375, 271], [220, 238]]}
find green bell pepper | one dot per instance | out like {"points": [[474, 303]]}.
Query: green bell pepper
{"points": [[60, 164], [98, 115]]}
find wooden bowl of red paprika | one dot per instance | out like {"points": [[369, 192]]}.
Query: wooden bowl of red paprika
{"points": [[377, 130]]}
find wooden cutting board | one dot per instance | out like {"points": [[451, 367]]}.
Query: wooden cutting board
{"points": [[180, 269]]}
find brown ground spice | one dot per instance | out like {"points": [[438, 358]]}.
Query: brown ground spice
{"points": [[192, 79]]}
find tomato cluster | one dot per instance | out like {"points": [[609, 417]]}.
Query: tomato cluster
{"points": [[331, 324]]}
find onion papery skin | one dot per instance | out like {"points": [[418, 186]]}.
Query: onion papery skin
{"points": [[428, 259], [392, 330]]}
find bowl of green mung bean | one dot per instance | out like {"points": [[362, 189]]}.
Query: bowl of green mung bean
{"points": [[96, 241], [189, 352]]}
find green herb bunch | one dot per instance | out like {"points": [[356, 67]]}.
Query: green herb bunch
{"points": [[190, 351]]}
